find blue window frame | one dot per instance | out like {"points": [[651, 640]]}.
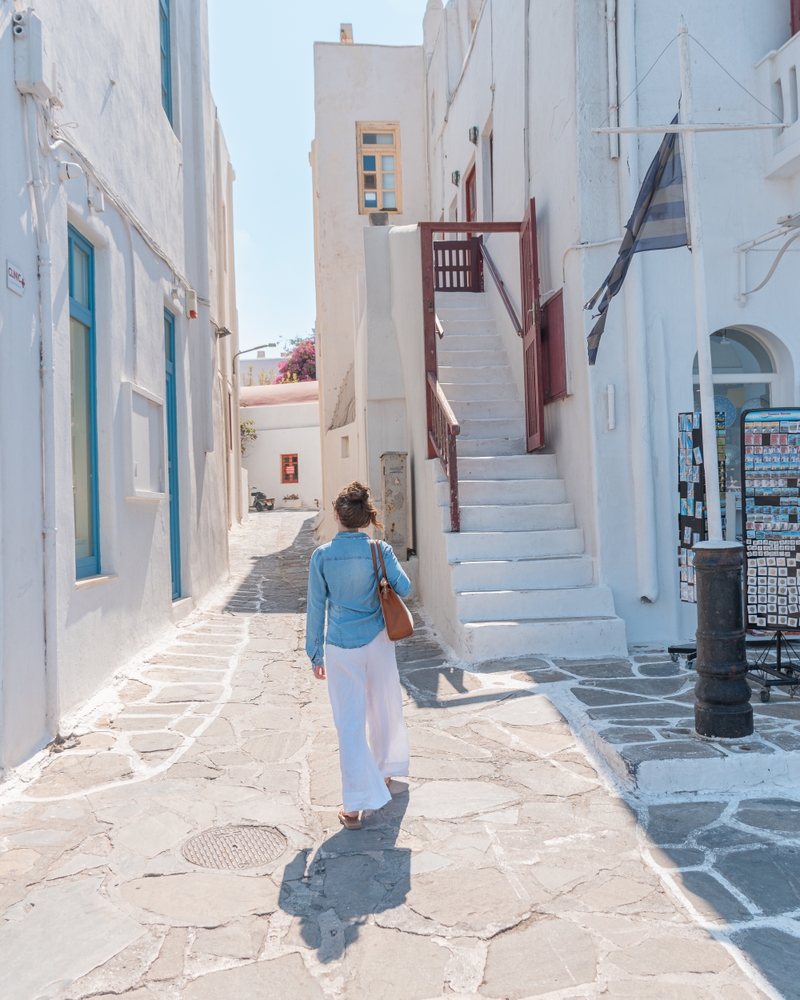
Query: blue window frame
{"points": [[172, 455], [84, 406], [166, 56]]}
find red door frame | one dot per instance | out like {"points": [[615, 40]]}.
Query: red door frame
{"points": [[531, 331]]}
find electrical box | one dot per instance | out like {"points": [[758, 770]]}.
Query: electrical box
{"points": [[394, 483], [34, 72]]}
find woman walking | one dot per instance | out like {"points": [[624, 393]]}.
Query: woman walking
{"points": [[356, 656]]}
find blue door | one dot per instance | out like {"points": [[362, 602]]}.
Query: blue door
{"points": [[172, 456]]}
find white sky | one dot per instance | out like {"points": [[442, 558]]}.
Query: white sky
{"points": [[262, 75]]}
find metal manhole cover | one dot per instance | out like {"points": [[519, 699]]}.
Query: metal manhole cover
{"points": [[235, 847]]}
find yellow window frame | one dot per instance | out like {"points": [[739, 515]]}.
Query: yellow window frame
{"points": [[378, 150]]}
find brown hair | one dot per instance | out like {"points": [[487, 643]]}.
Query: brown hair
{"points": [[355, 508]]}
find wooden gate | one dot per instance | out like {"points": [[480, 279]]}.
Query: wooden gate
{"points": [[531, 331], [457, 265]]}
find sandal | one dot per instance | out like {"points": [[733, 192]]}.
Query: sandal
{"points": [[349, 822], [388, 782]]}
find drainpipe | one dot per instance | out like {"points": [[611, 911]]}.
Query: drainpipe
{"points": [[635, 323], [48, 422], [527, 124]]}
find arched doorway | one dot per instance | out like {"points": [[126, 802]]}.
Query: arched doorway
{"points": [[745, 378]]}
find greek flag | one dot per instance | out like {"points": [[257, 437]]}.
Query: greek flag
{"points": [[658, 223]]}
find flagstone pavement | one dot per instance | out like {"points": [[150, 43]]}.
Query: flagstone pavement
{"points": [[507, 866]]}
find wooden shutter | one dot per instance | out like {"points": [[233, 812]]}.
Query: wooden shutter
{"points": [[795, 16], [554, 354], [531, 331]]}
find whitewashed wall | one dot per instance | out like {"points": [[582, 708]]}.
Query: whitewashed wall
{"points": [[284, 429], [355, 83], [173, 190]]}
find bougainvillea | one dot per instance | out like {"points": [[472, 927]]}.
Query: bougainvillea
{"points": [[301, 365]]}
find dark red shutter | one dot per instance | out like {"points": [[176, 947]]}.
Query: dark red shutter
{"points": [[795, 16], [554, 352], [531, 331]]}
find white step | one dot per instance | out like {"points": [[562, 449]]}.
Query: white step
{"points": [[494, 427], [476, 391], [532, 517], [501, 493], [472, 359], [466, 546], [468, 341], [461, 302], [488, 409], [572, 638], [504, 605], [473, 375], [479, 447], [523, 574], [536, 466]]}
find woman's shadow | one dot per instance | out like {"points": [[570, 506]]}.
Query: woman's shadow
{"points": [[353, 874]]}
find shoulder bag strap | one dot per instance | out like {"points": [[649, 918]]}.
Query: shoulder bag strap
{"points": [[379, 547], [372, 547]]}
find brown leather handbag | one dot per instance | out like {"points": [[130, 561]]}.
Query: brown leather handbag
{"points": [[399, 623]]}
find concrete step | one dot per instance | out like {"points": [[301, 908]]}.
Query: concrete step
{"points": [[536, 466], [502, 605], [470, 342], [504, 492], [472, 359], [472, 375], [575, 638], [512, 518], [523, 574], [476, 391], [468, 301], [479, 447], [469, 546], [493, 427], [488, 409]]}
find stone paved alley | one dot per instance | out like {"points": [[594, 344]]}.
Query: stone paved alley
{"points": [[507, 866]]}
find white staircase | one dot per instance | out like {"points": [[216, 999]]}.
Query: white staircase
{"points": [[523, 582]]}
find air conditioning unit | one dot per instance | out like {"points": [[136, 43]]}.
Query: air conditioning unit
{"points": [[34, 71]]}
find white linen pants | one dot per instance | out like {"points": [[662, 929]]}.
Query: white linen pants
{"points": [[364, 689]]}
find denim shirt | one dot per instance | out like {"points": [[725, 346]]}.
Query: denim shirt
{"points": [[341, 578]]}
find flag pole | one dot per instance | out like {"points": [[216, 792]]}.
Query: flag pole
{"points": [[704, 365], [722, 696]]}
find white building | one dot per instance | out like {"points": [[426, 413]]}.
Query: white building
{"points": [[119, 463], [568, 530], [284, 459]]}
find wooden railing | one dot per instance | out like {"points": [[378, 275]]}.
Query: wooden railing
{"points": [[443, 427], [501, 288], [442, 436]]}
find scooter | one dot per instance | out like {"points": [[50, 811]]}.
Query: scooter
{"points": [[262, 501]]}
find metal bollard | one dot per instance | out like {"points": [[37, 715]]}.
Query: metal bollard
{"points": [[722, 694]]}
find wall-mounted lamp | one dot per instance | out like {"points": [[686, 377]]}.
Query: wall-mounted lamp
{"points": [[473, 135], [455, 177], [223, 331]]}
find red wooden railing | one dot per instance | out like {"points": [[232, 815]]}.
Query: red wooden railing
{"points": [[443, 427], [501, 288], [442, 436], [457, 265]]}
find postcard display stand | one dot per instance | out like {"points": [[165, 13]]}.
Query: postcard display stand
{"points": [[692, 519], [771, 500]]}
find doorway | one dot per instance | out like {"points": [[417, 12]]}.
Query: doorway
{"points": [[744, 378], [172, 455]]}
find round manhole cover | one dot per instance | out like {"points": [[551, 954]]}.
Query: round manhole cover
{"points": [[235, 847]]}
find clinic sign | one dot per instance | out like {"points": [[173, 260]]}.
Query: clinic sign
{"points": [[15, 279]]}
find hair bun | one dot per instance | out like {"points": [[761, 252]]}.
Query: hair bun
{"points": [[356, 493]]}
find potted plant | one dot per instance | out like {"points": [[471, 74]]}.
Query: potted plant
{"points": [[293, 500]]}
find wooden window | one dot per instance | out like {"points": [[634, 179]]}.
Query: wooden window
{"points": [[378, 151], [471, 196], [84, 408], [795, 16], [165, 36], [289, 472], [554, 355]]}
